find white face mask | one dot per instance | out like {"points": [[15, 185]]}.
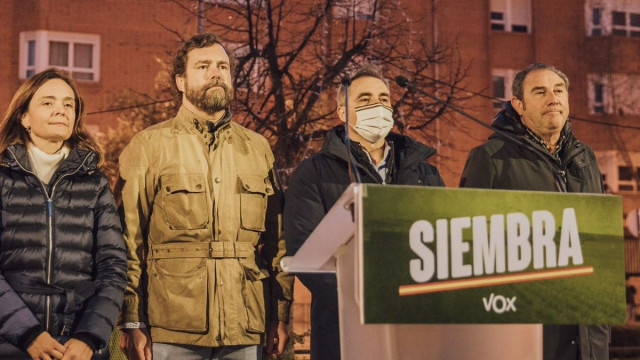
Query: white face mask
{"points": [[374, 121]]}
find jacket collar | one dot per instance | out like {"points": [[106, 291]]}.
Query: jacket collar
{"points": [[186, 122], [406, 151], [508, 120], [83, 160]]}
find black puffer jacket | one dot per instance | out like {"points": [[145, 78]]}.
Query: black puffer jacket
{"points": [[58, 243], [501, 163], [314, 188]]}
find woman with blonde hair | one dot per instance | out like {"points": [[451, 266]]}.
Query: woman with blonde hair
{"points": [[62, 255]]}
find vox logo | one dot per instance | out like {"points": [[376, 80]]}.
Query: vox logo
{"points": [[499, 304]]}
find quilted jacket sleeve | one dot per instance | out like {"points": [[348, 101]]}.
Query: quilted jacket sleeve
{"points": [[110, 262], [18, 324]]}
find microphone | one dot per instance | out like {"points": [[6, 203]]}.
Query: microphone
{"points": [[354, 176], [405, 83]]}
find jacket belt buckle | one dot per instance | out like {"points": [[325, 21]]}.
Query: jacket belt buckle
{"points": [[210, 250]]}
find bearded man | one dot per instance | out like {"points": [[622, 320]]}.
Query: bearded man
{"points": [[201, 204]]}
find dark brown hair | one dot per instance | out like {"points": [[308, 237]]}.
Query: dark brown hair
{"points": [[517, 88], [366, 70], [11, 129], [197, 42]]}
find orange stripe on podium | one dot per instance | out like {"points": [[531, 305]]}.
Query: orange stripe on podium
{"points": [[441, 286]]}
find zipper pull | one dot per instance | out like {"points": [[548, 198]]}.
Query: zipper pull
{"points": [[563, 174], [50, 207]]}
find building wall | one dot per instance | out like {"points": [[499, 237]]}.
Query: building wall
{"points": [[135, 36]]}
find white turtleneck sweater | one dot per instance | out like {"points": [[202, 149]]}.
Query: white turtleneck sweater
{"points": [[43, 164]]}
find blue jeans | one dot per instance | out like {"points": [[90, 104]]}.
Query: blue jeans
{"points": [[164, 351]]}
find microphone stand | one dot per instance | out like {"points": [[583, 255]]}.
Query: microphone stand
{"points": [[557, 181], [354, 175]]}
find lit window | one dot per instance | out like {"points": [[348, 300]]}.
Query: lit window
{"points": [[511, 15], [79, 54]]}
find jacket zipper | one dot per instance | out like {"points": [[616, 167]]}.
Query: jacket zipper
{"points": [[47, 301], [560, 168]]}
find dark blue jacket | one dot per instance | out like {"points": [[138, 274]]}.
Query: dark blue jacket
{"points": [[62, 255]]}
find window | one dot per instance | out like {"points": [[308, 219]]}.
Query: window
{"points": [[614, 94], [613, 17], [358, 9], [620, 170], [596, 22], [599, 94], [232, 2], [598, 102], [625, 23], [511, 15], [79, 54], [501, 85], [627, 178], [249, 75]]}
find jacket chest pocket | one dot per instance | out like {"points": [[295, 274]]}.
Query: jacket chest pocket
{"points": [[254, 190], [184, 201], [580, 174]]}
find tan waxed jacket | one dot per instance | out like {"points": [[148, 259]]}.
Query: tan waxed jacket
{"points": [[202, 221]]}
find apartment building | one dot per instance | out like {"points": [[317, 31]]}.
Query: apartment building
{"points": [[113, 46]]}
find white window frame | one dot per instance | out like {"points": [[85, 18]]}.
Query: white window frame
{"points": [[508, 8], [240, 49], [229, 2], [607, 9], [507, 75], [628, 29], [610, 161], [357, 9], [41, 40], [629, 185], [605, 105]]}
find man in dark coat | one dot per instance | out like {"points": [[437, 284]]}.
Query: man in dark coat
{"points": [[534, 149], [379, 157]]}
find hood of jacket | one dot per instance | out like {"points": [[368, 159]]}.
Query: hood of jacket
{"points": [[83, 160]]}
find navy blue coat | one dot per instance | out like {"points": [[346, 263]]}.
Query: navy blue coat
{"points": [[62, 255]]}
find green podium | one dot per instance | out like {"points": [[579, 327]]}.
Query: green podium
{"points": [[437, 273]]}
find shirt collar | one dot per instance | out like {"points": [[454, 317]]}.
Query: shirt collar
{"points": [[537, 139]]}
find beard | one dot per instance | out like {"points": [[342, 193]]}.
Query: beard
{"points": [[210, 101]]}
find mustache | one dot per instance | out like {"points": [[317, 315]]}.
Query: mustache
{"points": [[215, 83]]}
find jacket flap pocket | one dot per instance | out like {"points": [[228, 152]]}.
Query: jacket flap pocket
{"points": [[178, 295], [173, 183], [255, 184]]}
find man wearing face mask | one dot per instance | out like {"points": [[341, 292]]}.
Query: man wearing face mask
{"points": [[379, 156]]}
